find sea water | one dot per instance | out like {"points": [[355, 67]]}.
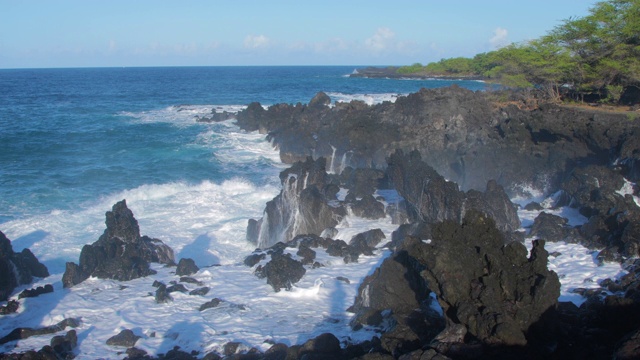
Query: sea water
{"points": [[75, 141]]}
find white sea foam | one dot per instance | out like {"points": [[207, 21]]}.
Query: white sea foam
{"points": [[576, 265], [369, 99], [627, 189], [180, 115], [206, 222], [232, 145]]}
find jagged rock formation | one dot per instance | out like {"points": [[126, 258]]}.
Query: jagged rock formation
{"points": [[434, 199], [458, 132], [120, 253], [17, 268], [281, 271], [306, 205], [613, 218], [490, 293]]}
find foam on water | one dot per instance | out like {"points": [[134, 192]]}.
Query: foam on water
{"points": [[204, 221], [180, 115], [576, 265], [369, 99], [627, 189]]}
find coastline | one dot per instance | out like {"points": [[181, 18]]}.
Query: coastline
{"points": [[439, 123], [390, 72]]}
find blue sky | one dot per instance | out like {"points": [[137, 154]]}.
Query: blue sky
{"points": [[91, 33]]}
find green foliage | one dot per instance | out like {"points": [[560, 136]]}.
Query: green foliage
{"points": [[413, 69], [596, 54]]}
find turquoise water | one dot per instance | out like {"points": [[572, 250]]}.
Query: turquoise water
{"points": [[70, 136]]}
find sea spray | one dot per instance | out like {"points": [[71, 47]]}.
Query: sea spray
{"points": [[302, 207]]}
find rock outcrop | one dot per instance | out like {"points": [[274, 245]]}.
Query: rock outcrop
{"points": [[120, 253], [432, 199], [613, 215], [490, 293], [306, 205], [17, 268], [460, 133]]}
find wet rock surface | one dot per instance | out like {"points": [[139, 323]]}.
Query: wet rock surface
{"points": [[459, 133], [432, 199], [304, 206], [17, 268], [120, 253]]}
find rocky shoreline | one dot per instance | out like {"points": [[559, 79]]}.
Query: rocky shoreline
{"points": [[459, 283], [486, 153], [391, 72]]}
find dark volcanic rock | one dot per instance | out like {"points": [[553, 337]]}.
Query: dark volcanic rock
{"points": [[434, 199], [614, 219], [281, 272], [125, 338], [365, 242], [307, 254], [482, 296], [36, 292], [253, 259], [460, 133], [24, 333], [63, 345], [186, 267], [322, 344], [11, 307], [162, 294], [396, 295], [17, 268], [368, 207], [302, 207], [210, 304], [200, 291], [120, 253], [553, 228]]}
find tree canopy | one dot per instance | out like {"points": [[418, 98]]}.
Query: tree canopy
{"points": [[597, 55]]}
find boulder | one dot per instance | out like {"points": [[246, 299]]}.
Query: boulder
{"points": [[326, 343], [124, 338], [200, 291], [162, 294], [368, 207], [10, 308], [36, 292], [186, 267], [364, 243], [281, 271], [210, 304], [17, 268], [554, 228], [120, 253]]}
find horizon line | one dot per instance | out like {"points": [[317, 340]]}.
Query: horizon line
{"points": [[181, 66]]}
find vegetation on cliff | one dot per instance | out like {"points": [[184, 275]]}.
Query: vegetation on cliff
{"points": [[593, 58]]}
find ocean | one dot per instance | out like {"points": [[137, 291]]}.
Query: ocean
{"points": [[75, 141]]}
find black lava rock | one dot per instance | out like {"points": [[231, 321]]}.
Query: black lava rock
{"points": [[281, 272], [186, 266], [17, 268], [120, 253], [125, 338]]}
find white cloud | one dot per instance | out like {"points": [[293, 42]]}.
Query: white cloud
{"points": [[256, 41], [381, 40], [499, 38]]}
